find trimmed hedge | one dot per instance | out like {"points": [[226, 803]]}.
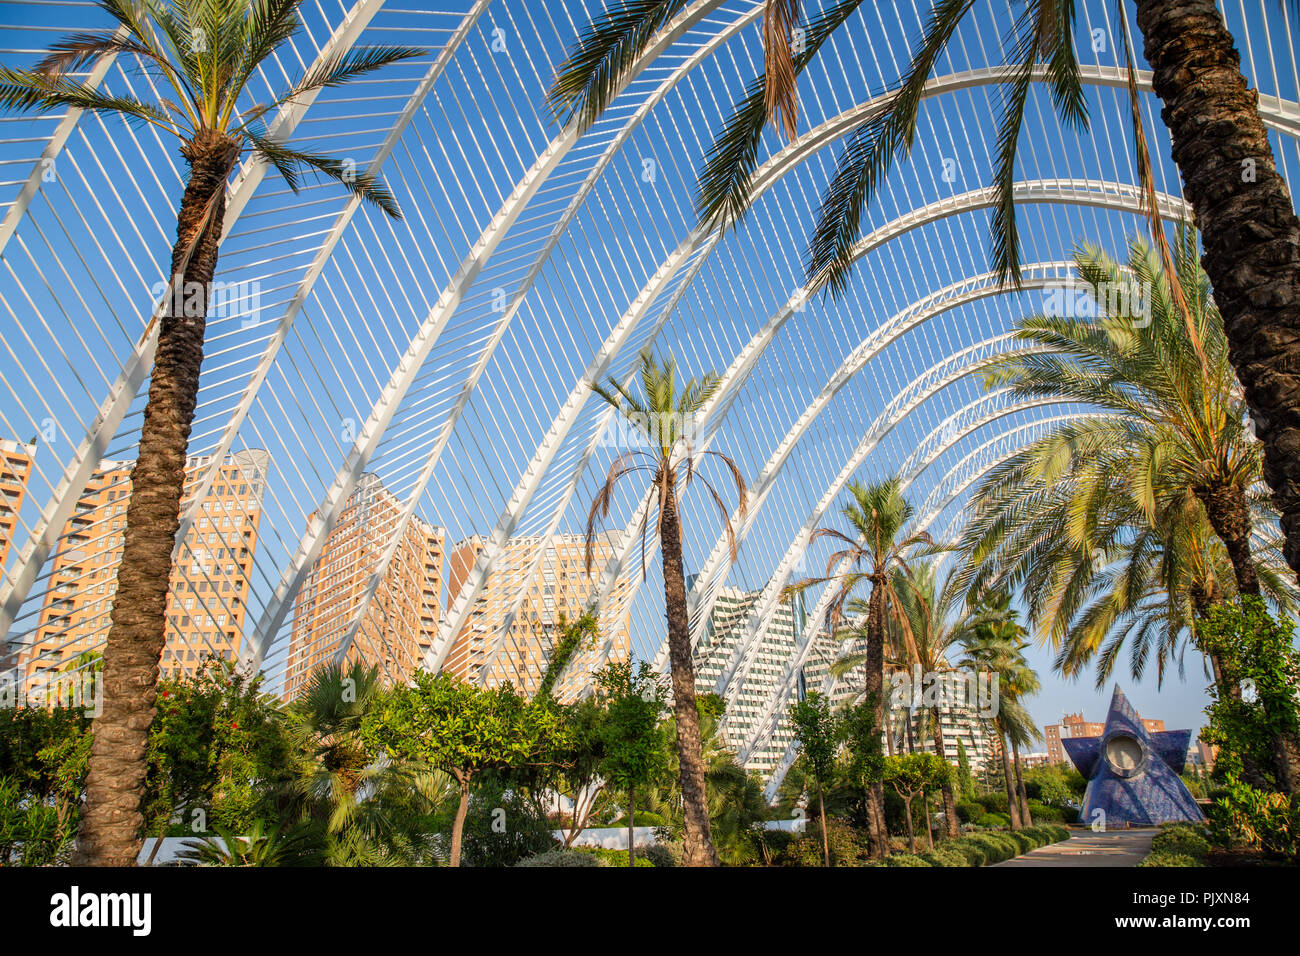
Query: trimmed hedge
{"points": [[1170, 859], [981, 849], [560, 857], [993, 821]]}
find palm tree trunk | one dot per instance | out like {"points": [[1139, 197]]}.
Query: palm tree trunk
{"points": [[874, 689], [911, 834], [1248, 225], [458, 825], [111, 829], [698, 838], [951, 826], [1013, 810], [929, 827], [821, 812], [1229, 516], [1025, 818]]}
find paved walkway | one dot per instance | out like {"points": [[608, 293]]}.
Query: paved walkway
{"points": [[1085, 848]]}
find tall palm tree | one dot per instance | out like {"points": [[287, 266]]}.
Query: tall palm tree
{"points": [[879, 541], [203, 58], [665, 418], [996, 647], [1220, 145], [938, 620]]}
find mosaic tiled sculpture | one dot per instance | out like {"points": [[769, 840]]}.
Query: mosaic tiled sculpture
{"points": [[1132, 774]]}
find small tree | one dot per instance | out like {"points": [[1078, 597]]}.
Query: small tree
{"points": [[465, 730], [965, 782], [819, 737], [633, 757], [866, 759], [913, 775]]}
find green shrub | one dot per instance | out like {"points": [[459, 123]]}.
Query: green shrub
{"points": [[993, 821], [1045, 814], [664, 854], [904, 859], [945, 855], [996, 846], [973, 852], [1170, 859], [994, 802], [1181, 839], [607, 857], [969, 811], [561, 857], [1024, 841]]}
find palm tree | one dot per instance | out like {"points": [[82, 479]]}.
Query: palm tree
{"points": [[204, 60], [1220, 145], [938, 621], [996, 647], [1130, 524], [368, 808], [879, 542], [665, 418]]}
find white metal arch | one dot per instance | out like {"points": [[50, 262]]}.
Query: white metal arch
{"points": [[530, 480], [828, 684], [1107, 195], [406, 370], [768, 719], [1280, 115], [593, 177]]}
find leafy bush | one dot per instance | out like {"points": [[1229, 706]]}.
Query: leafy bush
{"points": [[607, 857], [969, 811], [1170, 859], [1271, 821], [904, 859], [973, 853], [995, 802], [945, 854], [1024, 841], [561, 857], [1181, 839], [993, 821], [664, 853], [502, 828], [996, 846], [1045, 814]]}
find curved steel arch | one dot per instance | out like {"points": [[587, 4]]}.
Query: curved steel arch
{"points": [[53, 517], [1106, 195], [418, 349], [593, 176], [828, 684], [972, 416], [531, 478], [1280, 115], [770, 716]]}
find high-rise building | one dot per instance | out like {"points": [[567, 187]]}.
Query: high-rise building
{"points": [[15, 469], [401, 621], [726, 627], [559, 587], [207, 600]]}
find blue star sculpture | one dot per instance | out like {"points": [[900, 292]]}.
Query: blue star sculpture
{"points": [[1132, 774]]}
